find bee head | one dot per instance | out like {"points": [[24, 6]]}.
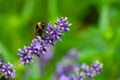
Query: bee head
{"points": [[43, 25], [40, 25]]}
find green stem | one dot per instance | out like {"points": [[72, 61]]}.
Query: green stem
{"points": [[18, 62]]}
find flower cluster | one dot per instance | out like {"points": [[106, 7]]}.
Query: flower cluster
{"points": [[87, 72], [39, 45], [69, 68], [53, 34], [7, 69], [67, 64], [63, 24]]}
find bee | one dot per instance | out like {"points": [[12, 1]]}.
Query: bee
{"points": [[39, 29]]}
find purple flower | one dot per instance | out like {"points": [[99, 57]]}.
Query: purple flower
{"points": [[64, 70], [25, 55], [87, 71], [63, 77], [77, 75], [65, 66], [38, 47], [96, 67], [7, 70], [73, 53], [52, 35], [62, 24], [69, 68]]}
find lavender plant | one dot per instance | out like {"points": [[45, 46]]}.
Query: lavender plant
{"points": [[38, 46], [74, 71], [68, 69], [87, 72]]}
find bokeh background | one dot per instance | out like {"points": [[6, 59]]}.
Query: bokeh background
{"points": [[95, 33]]}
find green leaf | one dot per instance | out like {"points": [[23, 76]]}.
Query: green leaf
{"points": [[5, 53]]}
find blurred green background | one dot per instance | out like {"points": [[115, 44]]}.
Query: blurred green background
{"points": [[95, 32]]}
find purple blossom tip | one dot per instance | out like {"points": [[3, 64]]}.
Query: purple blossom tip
{"points": [[62, 24], [52, 35]]}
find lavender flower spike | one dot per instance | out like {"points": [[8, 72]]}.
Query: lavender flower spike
{"points": [[62, 24], [36, 49], [39, 45], [7, 70]]}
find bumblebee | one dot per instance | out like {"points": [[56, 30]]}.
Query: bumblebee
{"points": [[39, 29]]}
